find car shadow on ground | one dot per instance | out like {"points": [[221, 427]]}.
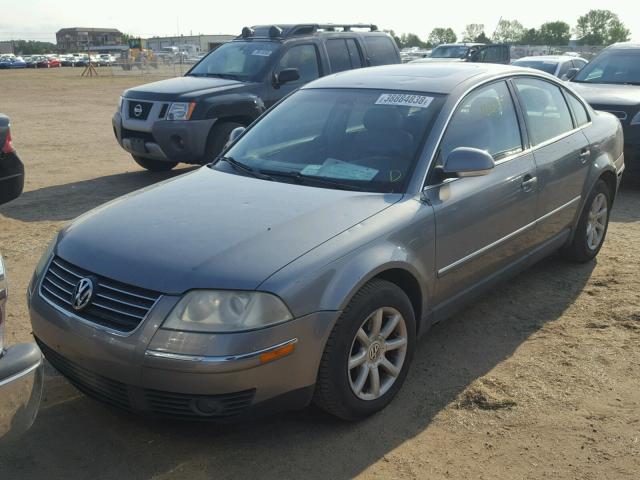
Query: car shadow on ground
{"points": [[82, 438], [66, 202]]}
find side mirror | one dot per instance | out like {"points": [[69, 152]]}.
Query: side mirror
{"points": [[572, 72], [286, 76], [234, 135], [468, 162]]}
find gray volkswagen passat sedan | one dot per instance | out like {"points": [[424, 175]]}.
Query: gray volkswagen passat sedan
{"points": [[303, 264]]}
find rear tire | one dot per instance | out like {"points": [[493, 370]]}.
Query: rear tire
{"points": [[218, 139], [592, 226], [347, 385], [154, 165]]}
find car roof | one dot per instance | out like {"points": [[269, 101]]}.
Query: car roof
{"points": [[548, 58], [434, 77], [624, 46]]}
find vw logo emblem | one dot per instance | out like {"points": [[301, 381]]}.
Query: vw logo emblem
{"points": [[82, 294], [374, 351], [137, 110]]}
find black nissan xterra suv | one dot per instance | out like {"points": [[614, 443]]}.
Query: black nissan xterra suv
{"points": [[188, 119]]}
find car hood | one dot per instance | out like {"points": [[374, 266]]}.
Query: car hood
{"points": [[209, 229], [172, 88], [600, 94]]}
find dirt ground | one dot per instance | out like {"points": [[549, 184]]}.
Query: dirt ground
{"points": [[540, 379]]}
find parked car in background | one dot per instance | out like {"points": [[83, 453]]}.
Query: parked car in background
{"points": [[47, 62], [106, 60], [12, 62], [67, 60], [562, 66], [315, 261], [21, 375], [189, 119], [32, 61], [611, 82], [468, 52]]}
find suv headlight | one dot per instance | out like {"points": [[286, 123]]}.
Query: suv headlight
{"points": [[4, 292], [636, 120], [121, 104], [180, 111], [226, 311]]}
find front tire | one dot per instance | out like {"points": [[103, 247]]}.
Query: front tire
{"points": [[154, 165], [368, 353], [592, 226], [218, 139]]}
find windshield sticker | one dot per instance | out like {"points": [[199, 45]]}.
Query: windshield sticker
{"points": [[404, 100], [261, 53], [333, 168]]}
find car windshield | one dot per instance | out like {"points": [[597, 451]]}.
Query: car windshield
{"points": [[548, 66], [241, 60], [338, 138], [618, 67], [450, 51]]}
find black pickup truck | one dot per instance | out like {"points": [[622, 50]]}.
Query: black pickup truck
{"points": [[11, 168], [188, 119]]}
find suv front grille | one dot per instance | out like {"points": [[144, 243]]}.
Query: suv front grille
{"points": [[114, 305], [139, 110]]}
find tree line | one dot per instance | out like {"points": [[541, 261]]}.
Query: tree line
{"points": [[596, 27]]}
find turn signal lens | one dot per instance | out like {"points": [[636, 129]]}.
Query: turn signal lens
{"points": [[277, 353]]}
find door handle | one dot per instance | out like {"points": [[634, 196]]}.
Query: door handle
{"points": [[529, 183], [585, 153]]}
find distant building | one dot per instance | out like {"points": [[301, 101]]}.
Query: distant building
{"points": [[198, 43], [78, 39]]}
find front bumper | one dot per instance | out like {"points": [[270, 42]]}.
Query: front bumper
{"points": [[21, 383], [164, 140], [170, 373]]}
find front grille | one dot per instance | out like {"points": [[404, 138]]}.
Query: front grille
{"points": [[139, 110], [186, 406], [146, 136], [114, 305], [94, 385]]}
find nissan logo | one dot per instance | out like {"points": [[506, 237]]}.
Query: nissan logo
{"points": [[82, 294], [137, 110]]}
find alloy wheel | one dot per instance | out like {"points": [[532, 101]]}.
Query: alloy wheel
{"points": [[377, 354], [597, 221]]}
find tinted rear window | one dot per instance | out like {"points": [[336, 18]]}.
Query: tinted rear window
{"points": [[338, 55], [381, 50]]}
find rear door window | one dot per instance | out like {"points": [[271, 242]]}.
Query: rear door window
{"points": [[381, 50], [339, 57], [545, 109], [579, 112], [354, 53]]}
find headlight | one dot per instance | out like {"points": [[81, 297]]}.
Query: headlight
{"points": [[121, 104], [226, 311], [180, 111], [4, 292], [42, 263], [636, 120]]}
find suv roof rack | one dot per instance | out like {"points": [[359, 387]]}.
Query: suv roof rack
{"points": [[286, 31]]}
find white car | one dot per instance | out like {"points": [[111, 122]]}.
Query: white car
{"points": [[562, 66]]}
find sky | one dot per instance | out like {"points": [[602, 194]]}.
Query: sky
{"points": [[39, 20]]}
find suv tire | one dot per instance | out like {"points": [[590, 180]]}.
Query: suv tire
{"points": [[154, 165], [345, 385], [218, 139]]}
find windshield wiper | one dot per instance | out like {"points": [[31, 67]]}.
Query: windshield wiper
{"points": [[302, 178], [245, 168]]}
